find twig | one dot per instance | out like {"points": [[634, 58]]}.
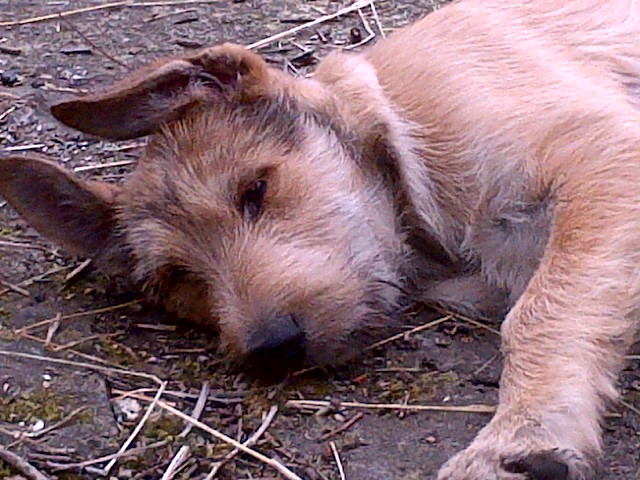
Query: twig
{"points": [[136, 430], [30, 281], [76, 315], [377, 20], [486, 364], [57, 424], [28, 246], [91, 42], [105, 6], [345, 426], [466, 319], [8, 112], [417, 329], [629, 406], [22, 148], [321, 404], [325, 18], [88, 366], [15, 288], [76, 271], [95, 461], [21, 464], [272, 462], [386, 340], [336, 455], [252, 440], [86, 168], [176, 463], [197, 410], [51, 331]]}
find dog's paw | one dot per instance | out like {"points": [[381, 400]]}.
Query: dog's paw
{"points": [[490, 464]]}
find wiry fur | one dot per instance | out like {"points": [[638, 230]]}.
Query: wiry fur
{"points": [[487, 154]]}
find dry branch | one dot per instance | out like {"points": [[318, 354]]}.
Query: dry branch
{"points": [[322, 404], [19, 463]]}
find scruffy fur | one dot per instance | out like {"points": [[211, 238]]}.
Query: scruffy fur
{"points": [[485, 158]]}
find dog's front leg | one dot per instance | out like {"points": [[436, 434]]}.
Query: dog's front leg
{"points": [[564, 342]]}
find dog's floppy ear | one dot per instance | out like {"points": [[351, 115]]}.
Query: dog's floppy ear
{"points": [[77, 214], [160, 93]]}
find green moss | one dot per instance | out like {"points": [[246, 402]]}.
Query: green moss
{"points": [[31, 406], [5, 471], [164, 428]]}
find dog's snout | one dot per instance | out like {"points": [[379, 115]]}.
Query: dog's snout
{"points": [[279, 345]]}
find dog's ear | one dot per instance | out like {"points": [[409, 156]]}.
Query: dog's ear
{"points": [[77, 214], [160, 93]]}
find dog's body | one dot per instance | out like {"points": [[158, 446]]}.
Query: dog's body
{"points": [[487, 154]]}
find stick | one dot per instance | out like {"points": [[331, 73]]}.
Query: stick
{"points": [[57, 424], [197, 410], [21, 464], [89, 366], [272, 462], [106, 6], [417, 329], [86, 168], [336, 455], [94, 461], [176, 462], [318, 404], [247, 443], [76, 315], [136, 430], [345, 426], [325, 18], [90, 42]]}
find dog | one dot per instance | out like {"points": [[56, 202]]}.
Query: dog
{"points": [[486, 158]]}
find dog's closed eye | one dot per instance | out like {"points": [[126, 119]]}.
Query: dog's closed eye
{"points": [[252, 200]]}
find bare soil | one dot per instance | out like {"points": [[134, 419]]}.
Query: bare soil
{"points": [[453, 363]]}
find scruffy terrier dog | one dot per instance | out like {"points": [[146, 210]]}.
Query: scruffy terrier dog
{"points": [[488, 156]]}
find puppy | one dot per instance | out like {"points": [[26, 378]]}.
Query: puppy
{"points": [[485, 158]]}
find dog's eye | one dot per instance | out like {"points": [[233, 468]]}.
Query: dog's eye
{"points": [[253, 199]]}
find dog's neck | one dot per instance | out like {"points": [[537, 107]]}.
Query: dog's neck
{"points": [[396, 147]]}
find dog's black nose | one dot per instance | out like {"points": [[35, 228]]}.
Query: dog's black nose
{"points": [[278, 346]]}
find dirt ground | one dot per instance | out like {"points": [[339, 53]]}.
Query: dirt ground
{"points": [[58, 415]]}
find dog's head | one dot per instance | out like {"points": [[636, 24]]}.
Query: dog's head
{"points": [[252, 209]]}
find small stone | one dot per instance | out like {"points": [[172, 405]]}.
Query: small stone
{"points": [[8, 78], [39, 425], [37, 83], [129, 408]]}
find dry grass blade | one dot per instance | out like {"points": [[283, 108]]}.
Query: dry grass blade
{"points": [[345, 426], [272, 462], [139, 426], [20, 464], [100, 166], [464, 318], [322, 404], [252, 440], [104, 6], [417, 329], [56, 425], [629, 406], [325, 18], [71, 363], [176, 463], [95, 461], [336, 456], [97, 311], [197, 410]]}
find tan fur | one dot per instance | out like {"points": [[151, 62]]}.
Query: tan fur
{"points": [[484, 158]]}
